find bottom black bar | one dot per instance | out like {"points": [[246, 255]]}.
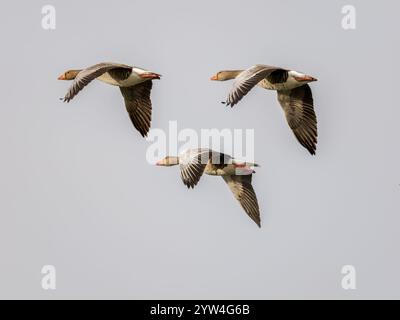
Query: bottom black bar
{"points": [[197, 309]]}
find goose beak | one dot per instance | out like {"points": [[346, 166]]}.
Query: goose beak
{"points": [[62, 77], [214, 78], [151, 76], [306, 79]]}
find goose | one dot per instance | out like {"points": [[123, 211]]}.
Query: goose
{"points": [[294, 96], [135, 84], [237, 174]]}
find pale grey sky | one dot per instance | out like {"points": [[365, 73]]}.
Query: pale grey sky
{"points": [[77, 191]]}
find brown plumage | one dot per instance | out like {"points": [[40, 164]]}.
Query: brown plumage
{"points": [[138, 105], [135, 85], [243, 191], [299, 111], [294, 95], [195, 162]]}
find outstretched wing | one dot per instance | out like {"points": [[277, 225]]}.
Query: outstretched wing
{"points": [[138, 104], [246, 81], [298, 106], [192, 165], [243, 191], [89, 74]]}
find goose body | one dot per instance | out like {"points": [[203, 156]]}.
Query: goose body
{"points": [[133, 79], [194, 163], [294, 96], [135, 85], [281, 80]]}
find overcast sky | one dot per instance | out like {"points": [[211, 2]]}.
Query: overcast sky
{"points": [[77, 192]]}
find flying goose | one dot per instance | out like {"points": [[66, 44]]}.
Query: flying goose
{"points": [[294, 95], [194, 162], [135, 85]]}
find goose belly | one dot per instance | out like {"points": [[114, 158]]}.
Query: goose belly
{"points": [[105, 77], [289, 84], [219, 169], [133, 79]]}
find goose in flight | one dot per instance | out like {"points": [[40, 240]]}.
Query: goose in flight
{"points": [[294, 95], [237, 174], [135, 85]]}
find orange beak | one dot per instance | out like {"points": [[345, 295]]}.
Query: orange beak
{"points": [[215, 77], [62, 77]]}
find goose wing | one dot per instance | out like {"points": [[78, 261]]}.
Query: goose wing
{"points": [[246, 80], [243, 191], [89, 74], [298, 106], [192, 165], [138, 104]]}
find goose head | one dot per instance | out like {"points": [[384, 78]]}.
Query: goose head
{"points": [[69, 75], [168, 161], [226, 75]]}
